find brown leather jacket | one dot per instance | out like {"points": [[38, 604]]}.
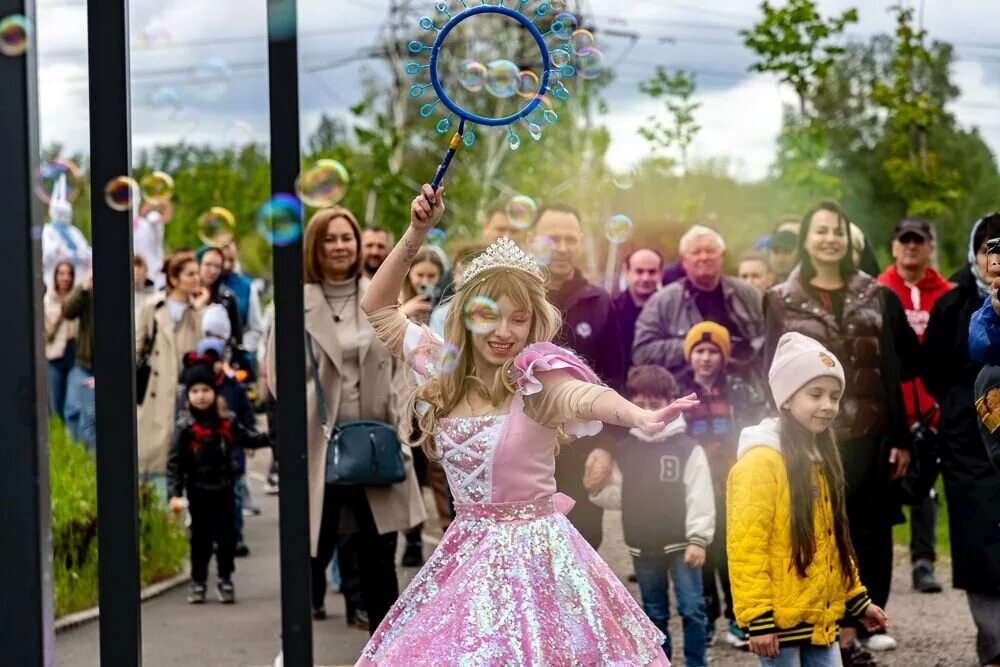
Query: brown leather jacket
{"points": [[858, 339]]}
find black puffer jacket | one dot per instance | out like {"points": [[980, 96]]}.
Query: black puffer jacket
{"points": [[201, 452], [972, 484]]}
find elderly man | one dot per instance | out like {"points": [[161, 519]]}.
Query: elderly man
{"points": [[643, 273], [703, 294]]}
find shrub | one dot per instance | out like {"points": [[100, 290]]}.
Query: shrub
{"points": [[73, 475]]}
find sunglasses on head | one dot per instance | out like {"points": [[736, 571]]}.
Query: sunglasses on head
{"points": [[912, 238]]}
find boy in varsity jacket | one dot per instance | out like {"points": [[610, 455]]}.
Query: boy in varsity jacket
{"points": [[663, 486]]}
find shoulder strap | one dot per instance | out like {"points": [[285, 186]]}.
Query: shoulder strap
{"points": [[320, 401]]}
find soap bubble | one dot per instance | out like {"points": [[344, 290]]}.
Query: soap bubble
{"points": [[581, 39], [534, 131], [279, 220], [436, 237], [157, 186], [589, 63], [542, 249], [472, 75], [216, 227], [521, 211], [513, 141], [211, 79], [155, 36], [323, 184], [48, 175], [14, 31], [445, 358], [527, 83], [624, 179], [618, 228], [121, 193], [481, 315], [502, 78], [166, 97], [558, 57], [569, 24]]}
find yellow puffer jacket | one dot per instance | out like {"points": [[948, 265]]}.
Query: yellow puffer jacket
{"points": [[768, 594]]}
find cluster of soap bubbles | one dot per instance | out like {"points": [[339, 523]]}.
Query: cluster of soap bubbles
{"points": [[14, 33], [123, 192], [501, 78]]}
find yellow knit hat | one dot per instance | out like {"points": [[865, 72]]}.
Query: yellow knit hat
{"points": [[708, 332]]}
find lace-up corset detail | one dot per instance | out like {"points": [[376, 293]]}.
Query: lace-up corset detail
{"points": [[466, 446]]}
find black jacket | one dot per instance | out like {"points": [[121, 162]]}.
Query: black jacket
{"points": [[201, 452], [590, 328], [972, 484]]}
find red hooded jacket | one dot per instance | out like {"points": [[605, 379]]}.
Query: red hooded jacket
{"points": [[918, 300]]}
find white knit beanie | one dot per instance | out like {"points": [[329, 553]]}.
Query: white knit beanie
{"points": [[798, 360], [215, 322]]}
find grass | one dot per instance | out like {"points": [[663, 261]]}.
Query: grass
{"points": [[901, 532], [73, 474]]}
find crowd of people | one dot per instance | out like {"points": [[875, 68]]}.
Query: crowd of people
{"points": [[819, 396]]}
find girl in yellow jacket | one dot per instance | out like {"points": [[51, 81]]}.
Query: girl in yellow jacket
{"points": [[791, 562]]}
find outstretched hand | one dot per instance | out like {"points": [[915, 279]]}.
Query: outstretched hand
{"points": [[655, 420], [427, 208]]}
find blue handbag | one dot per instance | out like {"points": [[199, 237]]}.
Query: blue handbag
{"points": [[358, 453]]}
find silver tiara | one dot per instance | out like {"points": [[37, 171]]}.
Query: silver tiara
{"points": [[502, 253]]}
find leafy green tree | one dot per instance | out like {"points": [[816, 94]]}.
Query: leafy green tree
{"points": [[680, 129]]}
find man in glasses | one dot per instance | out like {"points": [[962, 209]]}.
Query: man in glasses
{"points": [[918, 286]]}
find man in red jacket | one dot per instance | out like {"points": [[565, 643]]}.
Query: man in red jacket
{"points": [[918, 287]]}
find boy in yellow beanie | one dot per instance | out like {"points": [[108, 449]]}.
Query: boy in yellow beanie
{"points": [[728, 404]]}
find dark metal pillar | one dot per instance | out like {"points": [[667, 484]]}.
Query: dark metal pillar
{"points": [[26, 627], [114, 338], [293, 501]]}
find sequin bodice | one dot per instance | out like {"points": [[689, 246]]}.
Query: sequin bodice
{"points": [[466, 446]]}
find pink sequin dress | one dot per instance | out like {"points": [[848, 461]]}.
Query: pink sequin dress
{"points": [[512, 581]]}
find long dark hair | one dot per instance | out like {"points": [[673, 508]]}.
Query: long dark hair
{"points": [[797, 445], [805, 261]]}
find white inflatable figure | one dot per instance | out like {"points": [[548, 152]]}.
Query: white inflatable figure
{"points": [[147, 241], [61, 240]]}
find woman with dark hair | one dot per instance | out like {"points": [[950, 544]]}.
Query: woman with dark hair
{"points": [[210, 262], [352, 379], [418, 293], [169, 326], [863, 324], [60, 336]]}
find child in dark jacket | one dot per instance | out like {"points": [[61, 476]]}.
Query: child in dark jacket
{"points": [[200, 464], [663, 486], [727, 404]]}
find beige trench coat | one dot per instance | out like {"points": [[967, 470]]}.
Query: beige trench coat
{"points": [[158, 411], [397, 507]]}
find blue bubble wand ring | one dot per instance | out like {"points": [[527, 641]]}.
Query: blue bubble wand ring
{"points": [[465, 138]]}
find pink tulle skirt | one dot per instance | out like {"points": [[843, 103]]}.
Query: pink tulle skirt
{"points": [[515, 584]]}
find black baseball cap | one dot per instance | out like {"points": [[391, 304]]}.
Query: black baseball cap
{"points": [[917, 226], [783, 240]]}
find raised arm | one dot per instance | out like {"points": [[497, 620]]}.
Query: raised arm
{"points": [[425, 212]]}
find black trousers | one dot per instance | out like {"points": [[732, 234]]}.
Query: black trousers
{"points": [[212, 525], [715, 571], [923, 527], [375, 553], [870, 513]]}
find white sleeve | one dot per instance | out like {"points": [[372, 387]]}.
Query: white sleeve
{"points": [[254, 330], [609, 497], [699, 499]]}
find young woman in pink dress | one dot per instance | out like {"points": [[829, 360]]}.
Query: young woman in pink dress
{"points": [[512, 582]]}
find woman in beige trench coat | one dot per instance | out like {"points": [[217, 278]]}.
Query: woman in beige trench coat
{"points": [[355, 373], [176, 317]]}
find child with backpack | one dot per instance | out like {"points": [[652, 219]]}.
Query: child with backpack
{"points": [[791, 561]]}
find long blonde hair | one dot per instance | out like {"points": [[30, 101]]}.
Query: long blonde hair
{"points": [[442, 391]]}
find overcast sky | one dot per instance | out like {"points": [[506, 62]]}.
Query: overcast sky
{"points": [[740, 113]]}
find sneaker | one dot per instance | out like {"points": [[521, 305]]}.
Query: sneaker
{"points": [[855, 655], [923, 578], [196, 594], [271, 485], [226, 591], [413, 555], [241, 550], [710, 634], [358, 619], [735, 636], [319, 613], [880, 642]]}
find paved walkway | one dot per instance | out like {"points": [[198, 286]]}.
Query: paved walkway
{"points": [[933, 630]]}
